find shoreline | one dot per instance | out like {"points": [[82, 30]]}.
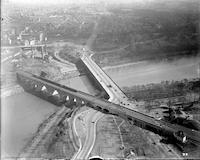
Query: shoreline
{"points": [[10, 91]]}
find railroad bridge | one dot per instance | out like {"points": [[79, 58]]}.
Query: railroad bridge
{"points": [[48, 92], [60, 94]]}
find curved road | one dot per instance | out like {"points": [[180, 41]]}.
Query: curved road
{"points": [[91, 122]]}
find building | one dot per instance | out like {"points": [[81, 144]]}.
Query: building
{"points": [[41, 37]]}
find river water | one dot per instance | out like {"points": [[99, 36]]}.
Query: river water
{"points": [[22, 113], [148, 72]]}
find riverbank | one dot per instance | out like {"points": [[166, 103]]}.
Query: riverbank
{"points": [[52, 138], [10, 91], [22, 113]]}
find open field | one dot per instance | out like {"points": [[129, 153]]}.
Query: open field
{"points": [[144, 144], [108, 142]]}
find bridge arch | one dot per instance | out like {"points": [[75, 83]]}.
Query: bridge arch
{"points": [[44, 88], [95, 158], [130, 119], [55, 92], [99, 108], [105, 110]]}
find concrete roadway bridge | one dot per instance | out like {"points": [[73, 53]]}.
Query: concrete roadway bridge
{"points": [[60, 94]]}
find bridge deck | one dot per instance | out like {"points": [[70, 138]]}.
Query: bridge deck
{"points": [[107, 83]]}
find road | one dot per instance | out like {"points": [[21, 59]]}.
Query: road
{"points": [[13, 56], [21, 46], [94, 116], [93, 36], [66, 63], [91, 122], [107, 83], [76, 132], [112, 50]]}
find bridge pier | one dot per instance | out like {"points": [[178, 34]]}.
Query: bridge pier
{"points": [[52, 95]]}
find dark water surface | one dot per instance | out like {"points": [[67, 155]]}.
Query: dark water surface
{"points": [[21, 115]]}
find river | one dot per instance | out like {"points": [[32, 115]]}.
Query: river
{"points": [[148, 72], [21, 115]]}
